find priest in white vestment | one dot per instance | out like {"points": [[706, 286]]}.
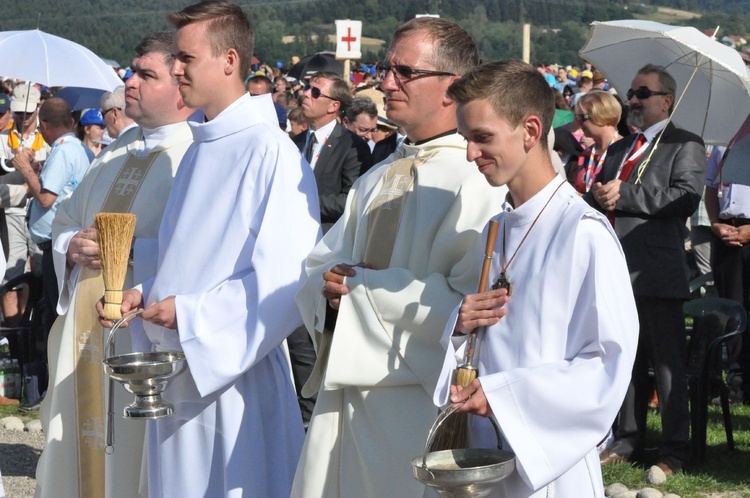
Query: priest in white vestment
{"points": [[561, 325], [240, 220], [134, 174], [409, 221]]}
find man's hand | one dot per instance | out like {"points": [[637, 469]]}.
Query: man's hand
{"points": [[481, 310], [729, 235], [162, 313], [334, 286], [473, 394], [84, 249], [23, 159], [607, 195], [132, 299]]}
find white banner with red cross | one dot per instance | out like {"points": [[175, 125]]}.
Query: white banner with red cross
{"points": [[348, 39]]}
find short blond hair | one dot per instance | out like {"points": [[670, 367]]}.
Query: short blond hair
{"points": [[602, 107]]}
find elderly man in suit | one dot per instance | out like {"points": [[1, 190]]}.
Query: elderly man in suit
{"points": [[649, 184], [335, 154]]}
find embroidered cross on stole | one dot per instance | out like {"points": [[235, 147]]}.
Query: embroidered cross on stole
{"points": [[88, 353], [386, 210]]}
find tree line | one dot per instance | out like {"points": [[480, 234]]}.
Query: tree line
{"points": [[111, 28]]}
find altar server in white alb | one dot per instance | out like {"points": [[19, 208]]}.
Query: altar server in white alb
{"points": [[240, 220], [132, 175], [556, 357]]}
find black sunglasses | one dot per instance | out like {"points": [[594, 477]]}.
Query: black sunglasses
{"points": [[407, 72], [643, 92], [581, 117], [104, 113], [316, 93]]}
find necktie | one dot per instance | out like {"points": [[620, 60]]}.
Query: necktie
{"points": [[632, 159], [311, 142], [627, 168]]}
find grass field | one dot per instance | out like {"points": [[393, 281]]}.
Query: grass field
{"points": [[723, 474], [668, 15]]}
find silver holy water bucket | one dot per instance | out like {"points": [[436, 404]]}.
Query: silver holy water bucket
{"points": [[146, 375], [463, 473]]}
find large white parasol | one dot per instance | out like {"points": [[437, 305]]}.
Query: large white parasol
{"points": [[713, 87], [40, 57]]}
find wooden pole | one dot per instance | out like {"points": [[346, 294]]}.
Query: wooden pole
{"points": [[527, 43]]}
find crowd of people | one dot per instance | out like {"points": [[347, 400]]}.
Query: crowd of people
{"points": [[313, 247]]}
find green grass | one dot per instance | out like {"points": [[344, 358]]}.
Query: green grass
{"points": [[722, 471], [8, 411]]}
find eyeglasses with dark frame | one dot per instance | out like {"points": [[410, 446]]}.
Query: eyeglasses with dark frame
{"points": [[406, 72], [104, 113], [316, 93], [582, 117], [643, 93]]}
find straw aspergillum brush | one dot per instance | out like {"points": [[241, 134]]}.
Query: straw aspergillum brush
{"points": [[115, 233], [454, 432]]}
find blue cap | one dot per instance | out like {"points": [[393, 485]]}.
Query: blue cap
{"points": [[127, 75], [279, 64], [92, 117], [551, 80], [4, 104]]}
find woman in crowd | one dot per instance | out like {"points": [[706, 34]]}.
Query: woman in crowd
{"points": [[597, 113]]}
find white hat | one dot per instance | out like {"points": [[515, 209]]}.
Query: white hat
{"points": [[25, 99]]}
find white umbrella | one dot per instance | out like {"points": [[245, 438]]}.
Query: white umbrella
{"points": [[717, 98], [40, 57]]}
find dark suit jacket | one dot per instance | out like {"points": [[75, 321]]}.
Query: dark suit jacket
{"points": [[384, 148], [650, 217], [343, 156]]}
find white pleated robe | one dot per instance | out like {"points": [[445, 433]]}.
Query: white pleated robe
{"points": [[554, 369], [240, 220]]}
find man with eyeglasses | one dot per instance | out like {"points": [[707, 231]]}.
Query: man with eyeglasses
{"points": [[25, 137], [362, 118], [113, 111], [391, 270], [649, 184]]}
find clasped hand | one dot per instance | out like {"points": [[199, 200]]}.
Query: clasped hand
{"points": [[607, 195]]}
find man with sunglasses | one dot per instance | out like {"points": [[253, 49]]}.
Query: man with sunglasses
{"points": [[391, 270], [335, 154], [649, 184]]}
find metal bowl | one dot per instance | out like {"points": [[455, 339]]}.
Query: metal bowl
{"points": [[470, 473]]}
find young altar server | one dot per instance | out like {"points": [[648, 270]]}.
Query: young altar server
{"points": [[561, 325], [240, 220]]}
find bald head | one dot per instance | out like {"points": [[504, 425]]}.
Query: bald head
{"points": [[56, 113]]}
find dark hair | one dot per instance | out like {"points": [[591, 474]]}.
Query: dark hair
{"points": [[455, 51], [339, 89], [159, 42], [515, 90], [227, 27], [361, 105]]}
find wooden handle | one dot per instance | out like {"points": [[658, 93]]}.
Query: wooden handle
{"points": [[483, 282], [489, 249]]}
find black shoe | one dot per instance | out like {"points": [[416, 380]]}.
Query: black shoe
{"points": [[32, 407]]}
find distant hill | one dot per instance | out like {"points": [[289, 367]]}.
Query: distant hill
{"points": [[111, 28]]}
